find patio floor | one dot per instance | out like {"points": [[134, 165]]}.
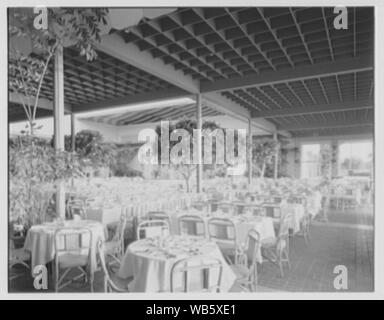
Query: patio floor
{"points": [[347, 239]]}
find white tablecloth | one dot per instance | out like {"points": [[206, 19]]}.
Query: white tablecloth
{"points": [[151, 266], [40, 240]]}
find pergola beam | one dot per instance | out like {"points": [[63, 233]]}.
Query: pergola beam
{"points": [[153, 96], [327, 125], [296, 74], [368, 130], [115, 46], [43, 103], [222, 104], [314, 109]]}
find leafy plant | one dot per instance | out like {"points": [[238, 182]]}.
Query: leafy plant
{"points": [[27, 70], [263, 152], [91, 150], [186, 167], [34, 168]]}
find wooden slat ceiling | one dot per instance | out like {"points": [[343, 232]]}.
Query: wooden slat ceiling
{"points": [[216, 44], [100, 80], [212, 44]]}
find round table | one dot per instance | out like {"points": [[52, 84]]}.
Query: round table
{"points": [[40, 240], [150, 263]]}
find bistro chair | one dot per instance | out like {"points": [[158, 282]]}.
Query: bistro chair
{"points": [[276, 249], [75, 206], [226, 207], [223, 232], [112, 283], [158, 215], [201, 205], [152, 228], [72, 251], [114, 248], [272, 210], [305, 227], [246, 268], [17, 256], [196, 274], [192, 225], [77, 210], [255, 209]]}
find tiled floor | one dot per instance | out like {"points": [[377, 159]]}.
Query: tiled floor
{"points": [[346, 240]]}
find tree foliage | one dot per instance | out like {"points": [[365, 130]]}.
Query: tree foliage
{"points": [[34, 167], [27, 69], [263, 153], [186, 167]]}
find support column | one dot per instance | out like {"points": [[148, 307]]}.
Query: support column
{"points": [[58, 123], [73, 133], [334, 158], [199, 171], [249, 151], [276, 169]]}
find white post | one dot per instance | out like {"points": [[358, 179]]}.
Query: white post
{"points": [[58, 122], [249, 151], [73, 133], [276, 169], [199, 173]]}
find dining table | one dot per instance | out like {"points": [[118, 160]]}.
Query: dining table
{"points": [[149, 261], [40, 240]]}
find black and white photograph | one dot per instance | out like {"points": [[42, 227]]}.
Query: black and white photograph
{"points": [[190, 149]]}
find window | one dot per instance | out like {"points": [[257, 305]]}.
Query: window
{"points": [[355, 159]]}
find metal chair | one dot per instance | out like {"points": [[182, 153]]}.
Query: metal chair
{"points": [[192, 225], [112, 283], [72, 251], [246, 269], [158, 215], [115, 247], [276, 249], [208, 268], [272, 210], [17, 256], [223, 232], [226, 207], [255, 210], [152, 228]]}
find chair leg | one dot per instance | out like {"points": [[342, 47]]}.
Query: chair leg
{"points": [[281, 268]]}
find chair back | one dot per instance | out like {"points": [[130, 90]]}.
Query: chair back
{"points": [[226, 207], [285, 224], [196, 274], [255, 210], [109, 285], [222, 230], [77, 209], [152, 228], [200, 205], [159, 215], [119, 235], [192, 225], [252, 250], [73, 241], [272, 211]]}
